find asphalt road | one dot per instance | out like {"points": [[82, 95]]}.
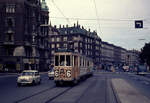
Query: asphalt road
{"points": [[96, 89]]}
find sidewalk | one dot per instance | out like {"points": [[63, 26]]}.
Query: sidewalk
{"points": [[127, 93]]}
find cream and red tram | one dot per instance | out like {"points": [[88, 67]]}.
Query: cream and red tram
{"points": [[71, 67]]}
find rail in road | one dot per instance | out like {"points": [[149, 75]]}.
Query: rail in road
{"points": [[98, 88], [76, 94], [48, 95]]}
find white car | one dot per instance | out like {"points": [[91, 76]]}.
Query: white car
{"points": [[29, 77], [51, 74]]}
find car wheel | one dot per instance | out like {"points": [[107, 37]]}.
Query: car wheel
{"points": [[33, 82], [40, 81], [18, 84]]}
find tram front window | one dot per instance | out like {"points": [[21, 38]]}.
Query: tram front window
{"points": [[62, 60], [56, 60], [68, 60]]}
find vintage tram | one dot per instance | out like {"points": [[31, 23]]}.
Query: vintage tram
{"points": [[71, 67]]}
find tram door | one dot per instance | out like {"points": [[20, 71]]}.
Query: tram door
{"points": [[76, 68]]}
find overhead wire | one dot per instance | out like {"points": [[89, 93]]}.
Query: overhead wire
{"points": [[95, 19], [96, 11], [67, 19]]}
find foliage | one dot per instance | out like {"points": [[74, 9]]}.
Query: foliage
{"points": [[145, 54]]}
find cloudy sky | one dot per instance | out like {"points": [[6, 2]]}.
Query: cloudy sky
{"points": [[116, 19]]}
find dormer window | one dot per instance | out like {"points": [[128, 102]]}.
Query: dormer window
{"points": [[10, 8]]}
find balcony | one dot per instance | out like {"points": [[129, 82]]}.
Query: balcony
{"points": [[8, 43]]}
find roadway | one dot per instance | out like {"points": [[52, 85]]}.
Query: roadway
{"points": [[97, 89]]}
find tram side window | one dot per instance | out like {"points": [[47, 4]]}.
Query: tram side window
{"points": [[88, 63], [62, 60], [68, 60], [80, 61], [83, 62], [56, 61]]}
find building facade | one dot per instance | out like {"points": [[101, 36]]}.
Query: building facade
{"points": [[113, 55], [132, 57], [78, 39], [23, 35]]}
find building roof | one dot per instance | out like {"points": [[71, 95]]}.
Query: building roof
{"points": [[77, 30]]}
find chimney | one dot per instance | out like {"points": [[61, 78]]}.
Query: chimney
{"points": [[77, 23], [55, 26], [63, 26], [79, 26], [67, 26], [74, 25], [89, 30], [82, 27], [60, 26]]}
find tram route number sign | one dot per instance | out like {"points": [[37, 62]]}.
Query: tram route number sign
{"points": [[138, 24]]}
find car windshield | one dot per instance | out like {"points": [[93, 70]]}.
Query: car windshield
{"points": [[27, 73]]}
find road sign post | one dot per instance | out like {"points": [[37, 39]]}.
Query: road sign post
{"points": [[139, 24]]}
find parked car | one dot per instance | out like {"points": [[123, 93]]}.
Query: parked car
{"points": [[29, 77], [51, 74]]}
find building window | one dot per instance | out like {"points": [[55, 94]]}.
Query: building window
{"points": [[52, 39], [88, 46], [33, 13], [57, 45], [58, 39], [76, 50], [52, 52], [75, 38], [71, 31], [9, 51], [76, 44], [10, 22], [80, 44], [81, 51], [53, 45], [85, 46], [9, 37], [97, 42], [10, 8], [65, 32], [33, 28], [65, 45], [65, 38]]}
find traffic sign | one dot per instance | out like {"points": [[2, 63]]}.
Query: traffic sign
{"points": [[139, 24]]}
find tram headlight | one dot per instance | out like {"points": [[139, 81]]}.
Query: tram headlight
{"points": [[56, 73], [68, 73]]}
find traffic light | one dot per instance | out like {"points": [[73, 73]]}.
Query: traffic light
{"points": [[139, 24]]}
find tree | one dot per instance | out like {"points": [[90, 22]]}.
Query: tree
{"points": [[145, 54]]}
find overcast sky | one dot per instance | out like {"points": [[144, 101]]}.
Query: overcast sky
{"points": [[116, 19]]}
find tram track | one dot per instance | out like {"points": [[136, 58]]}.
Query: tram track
{"points": [[51, 99], [33, 98], [114, 93], [23, 99]]}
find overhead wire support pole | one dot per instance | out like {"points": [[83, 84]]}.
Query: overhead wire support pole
{"points": [[97, 15], [67, 19]]}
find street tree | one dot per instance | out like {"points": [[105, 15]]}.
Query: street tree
{"points": [[145, 54]]}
